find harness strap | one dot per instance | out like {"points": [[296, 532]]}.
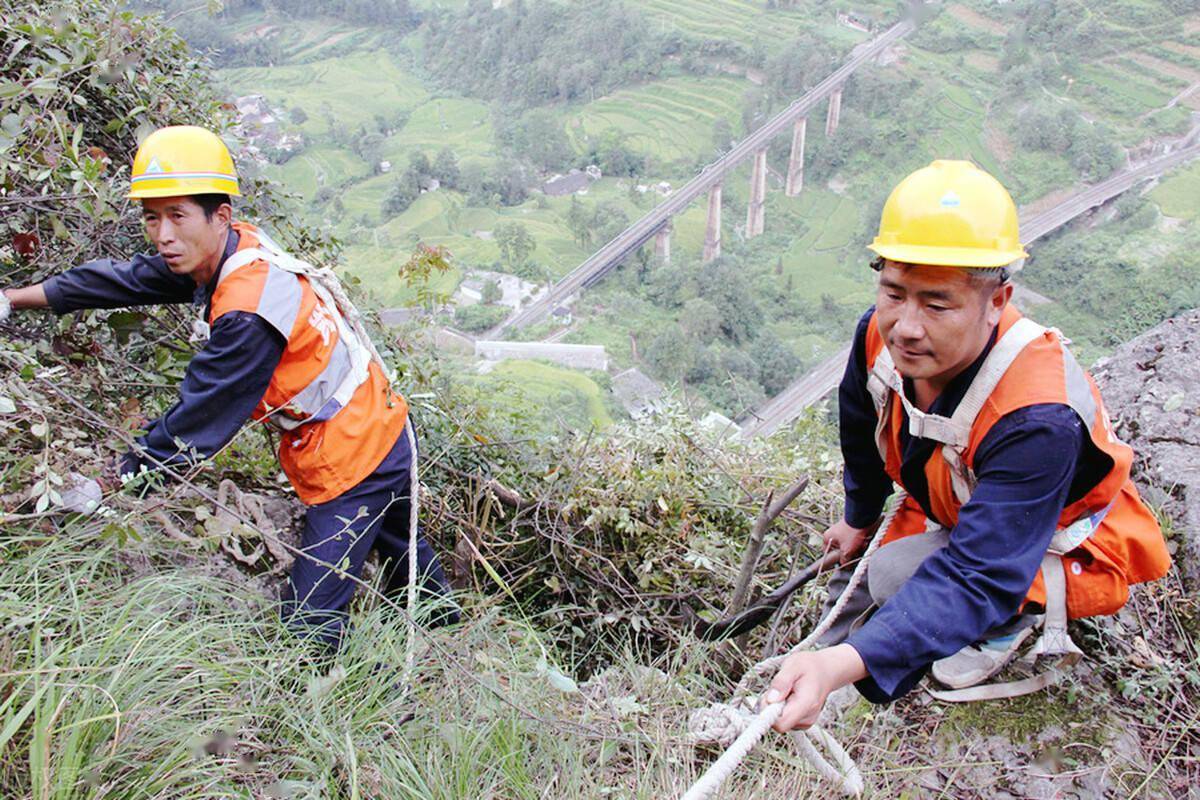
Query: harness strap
{"points": [[353, 337], [1003, 354], [1054, 641]]}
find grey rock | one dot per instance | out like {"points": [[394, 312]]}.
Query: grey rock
{"points": [[1151, 387]]}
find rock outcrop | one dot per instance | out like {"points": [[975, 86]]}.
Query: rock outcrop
{"points": [[1151, 387]]}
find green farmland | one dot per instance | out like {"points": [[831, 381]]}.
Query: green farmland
{"points": [[670, 120], [351, 80]]}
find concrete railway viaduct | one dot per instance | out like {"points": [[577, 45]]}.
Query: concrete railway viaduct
{"points": [[656, 224]]}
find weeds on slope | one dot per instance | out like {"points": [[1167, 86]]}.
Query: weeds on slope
{"points": [[122, 681]]}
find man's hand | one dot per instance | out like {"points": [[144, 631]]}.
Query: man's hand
{"points": [[806, 680], [846, 539], [27, 297]]}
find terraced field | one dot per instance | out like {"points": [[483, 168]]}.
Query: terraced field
{"points": [[671, 120], [820, 261], [1179, 194], [960, 118], [751, 24], [565, 398], [349, 89], [461, 124], [320, 166]]}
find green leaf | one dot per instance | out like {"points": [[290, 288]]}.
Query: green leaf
{"points": [[10, 89]]}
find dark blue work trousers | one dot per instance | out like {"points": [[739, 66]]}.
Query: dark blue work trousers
{"points": [[339, 534]]}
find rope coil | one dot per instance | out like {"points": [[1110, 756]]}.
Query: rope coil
{"points": [[737, 727]]}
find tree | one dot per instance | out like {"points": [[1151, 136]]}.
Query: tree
{"points": [[419, 163], [491, 292], [701, 319], [445, 168], [723, 284], [515, 243], [404, 191], [538, 136], [608, 220], [615, 157], [477, 318], [298, 115], [776, 364], [370, 149], [579, 222], [671, 352]]}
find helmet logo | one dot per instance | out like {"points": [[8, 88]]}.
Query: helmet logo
{"points": [[950, 200], [153, 167]]}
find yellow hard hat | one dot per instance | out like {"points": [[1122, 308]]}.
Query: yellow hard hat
{"points": [[950, 214], [182, 160]]}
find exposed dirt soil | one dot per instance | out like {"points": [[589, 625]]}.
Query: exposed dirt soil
{"points": [[997, 142], [1166, 67], [977, 20], [261, 32], [983, 61], [1186, 49]]}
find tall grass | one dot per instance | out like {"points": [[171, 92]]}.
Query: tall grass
{"points": [[141, 671]]}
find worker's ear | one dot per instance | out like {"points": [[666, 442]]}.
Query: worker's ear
{"points": [[223, 216], [997, 302]]}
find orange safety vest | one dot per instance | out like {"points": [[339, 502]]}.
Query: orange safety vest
{"points": [[1108, 538], [338, 415]]}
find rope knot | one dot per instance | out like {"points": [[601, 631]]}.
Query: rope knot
{"points": [[720, 723]]}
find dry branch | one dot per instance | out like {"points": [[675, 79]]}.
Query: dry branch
{"points": [[771, 509]]}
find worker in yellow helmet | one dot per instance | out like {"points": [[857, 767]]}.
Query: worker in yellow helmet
{"points": [[283, 347], [1017, 511]]}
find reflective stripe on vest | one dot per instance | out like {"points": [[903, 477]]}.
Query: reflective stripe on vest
{"points": [[954, 432], [1109, 537], [280, 305]]}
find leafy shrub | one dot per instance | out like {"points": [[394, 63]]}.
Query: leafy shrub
{"points": [[479, 317]]}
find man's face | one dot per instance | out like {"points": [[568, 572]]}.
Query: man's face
{"points": [[188, 241], [935, 321]]}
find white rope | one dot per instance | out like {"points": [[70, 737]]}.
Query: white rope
{"points": [[722, 722], [414, 486]]}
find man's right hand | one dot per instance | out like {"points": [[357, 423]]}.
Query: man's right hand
{"points": [[25, 297], [846, 539]]}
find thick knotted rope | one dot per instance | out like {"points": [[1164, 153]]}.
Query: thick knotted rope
{"points": [[736, 726]]}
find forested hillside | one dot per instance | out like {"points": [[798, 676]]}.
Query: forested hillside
{"points": [[489, 101], [141, 652]]}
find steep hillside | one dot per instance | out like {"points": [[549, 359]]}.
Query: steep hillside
{"points": [[141, 653]]}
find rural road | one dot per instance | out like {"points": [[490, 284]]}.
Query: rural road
{"points": [[821, 380]]}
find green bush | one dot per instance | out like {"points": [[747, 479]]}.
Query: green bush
{"points": [[480, 317]]}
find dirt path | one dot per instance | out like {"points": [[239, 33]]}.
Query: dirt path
{"points": [[1185, 49]]}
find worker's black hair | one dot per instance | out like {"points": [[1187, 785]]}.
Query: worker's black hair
{"points": [[211, 202], [984, 277]]}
